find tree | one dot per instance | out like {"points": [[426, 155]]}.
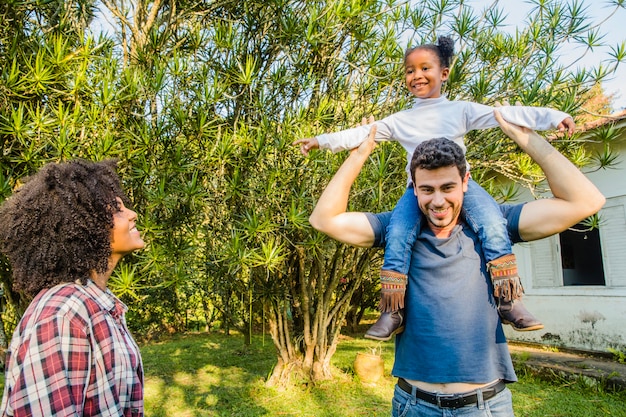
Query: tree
{"points": [[596, 104]]}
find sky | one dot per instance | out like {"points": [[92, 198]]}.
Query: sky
{"points": [[516, 11], [614, 28]]}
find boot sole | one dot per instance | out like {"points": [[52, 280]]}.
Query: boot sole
{"points": [[385, 339], [524, 329]]}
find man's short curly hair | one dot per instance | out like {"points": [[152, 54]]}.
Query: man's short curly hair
{"points": [[438, 153], [57, 226]]}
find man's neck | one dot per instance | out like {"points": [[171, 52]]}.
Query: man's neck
{"points": [[443, 232]]}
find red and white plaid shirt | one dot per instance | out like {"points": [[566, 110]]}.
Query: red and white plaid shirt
{"points": [[72, 355]]}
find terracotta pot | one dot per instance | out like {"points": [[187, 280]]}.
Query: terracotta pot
{"points": [[368, 367]]}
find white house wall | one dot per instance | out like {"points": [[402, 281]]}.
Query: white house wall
{"points": [[587, 317]]}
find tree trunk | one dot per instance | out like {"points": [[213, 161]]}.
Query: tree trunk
{"points": [[319, 303]]}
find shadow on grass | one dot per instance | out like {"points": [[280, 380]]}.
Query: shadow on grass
{"points": [[202, 375], [214, 375]]}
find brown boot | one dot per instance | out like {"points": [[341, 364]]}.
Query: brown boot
{"points": [[515, 314], [508, 291], [387, 325], [391, 320]]}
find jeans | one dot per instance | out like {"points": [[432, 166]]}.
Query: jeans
{"points": [[481, 213], [406, 405]]}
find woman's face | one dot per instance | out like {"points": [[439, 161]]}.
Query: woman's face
{"points": [[125, 237]]}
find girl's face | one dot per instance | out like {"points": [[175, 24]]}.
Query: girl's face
{"points": [[125, 237], [423, 73]]}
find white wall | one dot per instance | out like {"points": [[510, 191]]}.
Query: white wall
{"points": [[587, 317]]}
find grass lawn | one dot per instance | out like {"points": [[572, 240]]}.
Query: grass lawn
{"points": [[198, 375], [214, 375]]}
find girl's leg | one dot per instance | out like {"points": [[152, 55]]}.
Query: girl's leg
{"points": [[483, 215], [400, 236]]}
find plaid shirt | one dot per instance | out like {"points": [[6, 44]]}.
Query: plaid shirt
{"points": [[72, 355]]}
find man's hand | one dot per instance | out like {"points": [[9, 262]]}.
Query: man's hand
{"points": [[369, 144], [519, 134], [330, 215]]}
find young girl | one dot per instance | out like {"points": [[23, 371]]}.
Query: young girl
{"points": [[432, 116]]}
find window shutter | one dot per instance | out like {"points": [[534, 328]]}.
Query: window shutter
{"points": [[546, 261], [612, 238]]}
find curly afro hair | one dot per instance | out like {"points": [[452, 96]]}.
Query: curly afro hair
{"points": [[438, 153], [57, 226]]}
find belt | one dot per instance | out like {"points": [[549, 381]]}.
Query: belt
{"points": [[453, 400]]}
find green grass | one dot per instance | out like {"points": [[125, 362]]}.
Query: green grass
{"points": [[198, 375], [534, 398], [214, 375]]}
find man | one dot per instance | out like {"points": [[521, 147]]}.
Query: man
{"points": [[462, 361]]}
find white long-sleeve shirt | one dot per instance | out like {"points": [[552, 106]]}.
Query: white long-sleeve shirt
{"points": [[440, 118]]}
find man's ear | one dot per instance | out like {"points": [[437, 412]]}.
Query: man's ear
{"points": [[466, 181]]}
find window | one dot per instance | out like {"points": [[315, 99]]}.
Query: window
{"points": [[581, 256]]}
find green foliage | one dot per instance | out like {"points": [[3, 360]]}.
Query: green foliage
{"points": [[619, 355]]}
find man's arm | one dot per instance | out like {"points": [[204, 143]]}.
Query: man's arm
{"points": [[574, 196], [329, 215]]}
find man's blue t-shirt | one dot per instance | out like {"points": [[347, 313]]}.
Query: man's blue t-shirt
{"points": [[453, 332], [511, 213]]}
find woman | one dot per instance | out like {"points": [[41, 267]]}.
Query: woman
{"points": [[63, 232]]}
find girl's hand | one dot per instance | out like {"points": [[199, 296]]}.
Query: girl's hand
{"points": [[307, 144], [567, 125]]}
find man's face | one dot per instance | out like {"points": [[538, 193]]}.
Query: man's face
{"points": [[440, 197]]}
